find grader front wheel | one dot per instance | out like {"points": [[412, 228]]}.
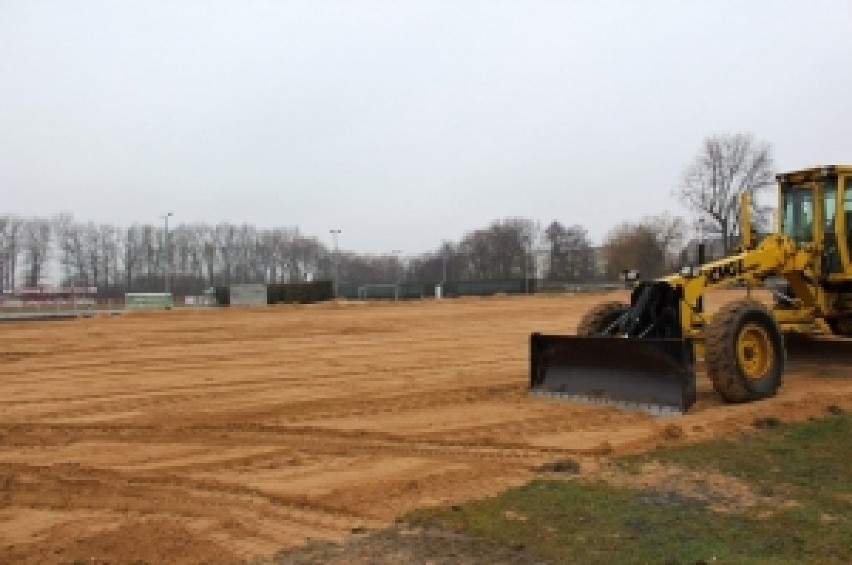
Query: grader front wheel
{"points": [[745, 352], [601, 319]]}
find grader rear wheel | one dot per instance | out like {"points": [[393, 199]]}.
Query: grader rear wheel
{"points": [[745, 352], [600, 319]]}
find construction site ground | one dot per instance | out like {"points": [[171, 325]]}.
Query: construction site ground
{"points": [[216, 435]]}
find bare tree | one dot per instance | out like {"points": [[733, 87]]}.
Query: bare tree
{"points": [[10, 228], [446, 263], [634, 246], [35, 244], [12, 246], [69, 240], [4, 250], [671, 232], [137, 254], [651, 245], [500, 251], [91, 239], [554, 234], [571, 255], [726, 167]]}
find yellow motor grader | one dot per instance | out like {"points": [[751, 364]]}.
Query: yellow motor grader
{"points": [[643, 354]]}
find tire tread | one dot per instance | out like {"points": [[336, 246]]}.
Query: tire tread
{"points": [[721, 354]]}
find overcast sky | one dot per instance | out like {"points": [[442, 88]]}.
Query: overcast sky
{"points": [[403, 123]]}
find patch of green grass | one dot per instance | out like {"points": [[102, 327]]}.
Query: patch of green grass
{"points": [[592, 522], [810, 460]]}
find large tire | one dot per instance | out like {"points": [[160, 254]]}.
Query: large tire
{"points": [[744, 352], [601, 317]]}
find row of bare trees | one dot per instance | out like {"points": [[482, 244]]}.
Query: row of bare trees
{"points": [[199, 256], [23, 243], [508, 249], [137, 258]]}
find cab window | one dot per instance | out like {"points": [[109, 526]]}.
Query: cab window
{"points": [[831, 254], [830, 192], [798, 214]]}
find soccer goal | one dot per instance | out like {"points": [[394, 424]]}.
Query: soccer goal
{"points": [[366, 291]]}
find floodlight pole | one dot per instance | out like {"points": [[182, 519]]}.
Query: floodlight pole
{"points": [[334, 234], [446, 251], [396, 253], [166, 251]]}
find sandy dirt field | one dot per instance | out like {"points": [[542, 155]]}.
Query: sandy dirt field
{"points": [[228, 434]]}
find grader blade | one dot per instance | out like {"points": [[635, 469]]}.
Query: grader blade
{"points": [[653, 375]]}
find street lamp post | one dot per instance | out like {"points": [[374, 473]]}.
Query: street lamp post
{"points": [[334, 234], [166, 251]]}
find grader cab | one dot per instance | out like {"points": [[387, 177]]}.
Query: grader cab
{"points": [[643, 354]]}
